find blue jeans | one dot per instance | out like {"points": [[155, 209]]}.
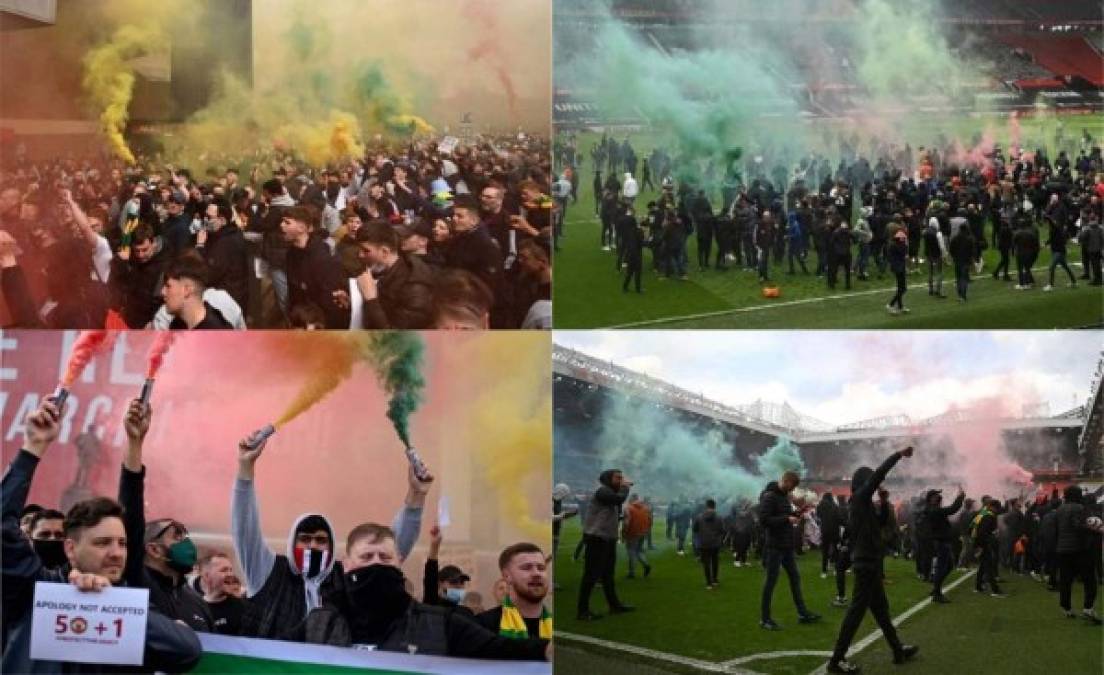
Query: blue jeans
{"points": [[280, 287], [1058, 258], [776, 558], [635, 548]]}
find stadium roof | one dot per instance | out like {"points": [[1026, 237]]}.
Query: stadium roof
{"points": [[782, 418]]}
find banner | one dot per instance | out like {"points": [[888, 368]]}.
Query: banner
{"points": [[226, 654]]}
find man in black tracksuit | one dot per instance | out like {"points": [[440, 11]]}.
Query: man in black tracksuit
{"points": [[865, 528], [600, 538], [941, 532], [985, 546], [777, 518]]}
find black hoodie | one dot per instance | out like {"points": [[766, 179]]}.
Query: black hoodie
{"points": [[864, 523]]}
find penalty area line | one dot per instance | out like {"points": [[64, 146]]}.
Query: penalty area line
{"points": [[706, 666]]}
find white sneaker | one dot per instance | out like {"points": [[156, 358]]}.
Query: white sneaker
{"points": [[1019, 287], [1048, 288], [892, 310], [823, 575], [905, 310], [605, 248]]}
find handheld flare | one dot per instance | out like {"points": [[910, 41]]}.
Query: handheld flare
{"points": [[420, 470], [260, 436], [147, 391], [61, 395]]}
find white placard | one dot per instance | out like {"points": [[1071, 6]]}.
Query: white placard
{"points": [[104, 627], [443, 517], [448, 144]]}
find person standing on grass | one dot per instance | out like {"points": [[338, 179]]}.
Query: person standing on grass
{"points": [[778, 519], [1075, 556], [867, 552], [897, 254], [941, 532], [634, 528], [711, 532], [962, 256], [600, 537], [985, 547]]}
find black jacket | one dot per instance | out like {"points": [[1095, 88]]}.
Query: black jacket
{"points": [[962, 247], [405, 297], [176, 232], [828, 512], [938, 519], [476, 252], [176, 601], [313, 277], [228, 263], [136, 286], [775, 510], [864, 522], [169, 646], [710, 529], [1072, 531], [427, 630]]}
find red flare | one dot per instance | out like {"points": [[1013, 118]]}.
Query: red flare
{"points": [[88, 344], [157, 351]]}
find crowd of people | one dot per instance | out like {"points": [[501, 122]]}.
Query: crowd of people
{"points": [[894, 209], [1055, 539], [304, 594], [428, 234]]}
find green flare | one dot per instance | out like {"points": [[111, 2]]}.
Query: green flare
{"points": [[397, 357]]}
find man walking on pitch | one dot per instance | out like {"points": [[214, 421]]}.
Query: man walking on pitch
{"points": [[600, 539], [867, 551], [777, 518]]}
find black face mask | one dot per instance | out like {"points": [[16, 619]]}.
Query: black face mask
{"points": [[377, 596], [50, 551]]}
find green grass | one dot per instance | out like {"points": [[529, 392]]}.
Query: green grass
{"points": [[677, 615], [588, 288]]}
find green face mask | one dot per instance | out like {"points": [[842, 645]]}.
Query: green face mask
{"points": [[182, 555]]}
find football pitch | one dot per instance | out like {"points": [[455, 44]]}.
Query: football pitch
{"points": [[680, 627], [588, 291]]}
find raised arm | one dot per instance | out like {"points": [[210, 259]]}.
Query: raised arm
{"points": [[408, 521], [257, 560], [872, 484], [132, 489], [80, 218]]}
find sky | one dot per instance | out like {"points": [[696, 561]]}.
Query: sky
{"points": [[841, 377]]}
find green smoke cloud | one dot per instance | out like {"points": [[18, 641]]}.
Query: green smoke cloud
{"points": [[668, 457], [397, 357]]}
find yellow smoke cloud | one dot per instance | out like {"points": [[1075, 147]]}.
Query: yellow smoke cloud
{"points": [[327, 141], [419, 125], [512, 425], [331, 357], [109, 80]]}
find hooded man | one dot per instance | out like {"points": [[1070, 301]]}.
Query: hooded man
{"points": [[97, 556], [867, 550], [370, 606], [777, 517], [1075, 556], [600, 541], [941, 534], [829, 516], [284, 588], [710, 529]]}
